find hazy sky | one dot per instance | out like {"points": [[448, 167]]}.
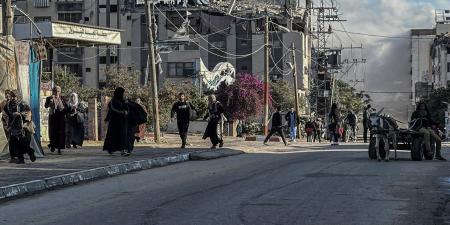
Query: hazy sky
{"points": [[387, 68]]}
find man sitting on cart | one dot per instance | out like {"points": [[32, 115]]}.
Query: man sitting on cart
{"points": [[424, 125]]}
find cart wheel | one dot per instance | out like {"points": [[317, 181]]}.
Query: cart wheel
{"points": [[430, 155], [416, 149], [372, 150]]}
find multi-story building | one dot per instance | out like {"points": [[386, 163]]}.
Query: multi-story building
{"points": [[440, 51], [430, 57], [214, 37], [421, 77]]}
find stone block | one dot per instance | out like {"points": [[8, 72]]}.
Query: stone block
{"points": [[53, 181], [250, 138]]}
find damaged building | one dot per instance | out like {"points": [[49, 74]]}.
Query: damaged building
{"points": [[210, 36]]}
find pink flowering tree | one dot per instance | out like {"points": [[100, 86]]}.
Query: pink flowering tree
{"points": [[244, 98]]}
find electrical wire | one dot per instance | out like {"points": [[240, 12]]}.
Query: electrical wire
{"points": [[239, 17], [76, 58], [228, 53], [384, 36], [234, 56], [282, 71]]}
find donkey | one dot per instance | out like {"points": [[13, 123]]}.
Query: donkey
{"points": [[383, 128]]}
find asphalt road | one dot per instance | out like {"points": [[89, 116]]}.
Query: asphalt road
{"points": [[323, 187]]}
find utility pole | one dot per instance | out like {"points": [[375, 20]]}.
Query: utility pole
{"points": [[151, 57], [294, 74], [266, 74], [6, 17], [108, 24]]}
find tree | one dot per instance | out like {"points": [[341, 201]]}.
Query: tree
{"points": [[121, 76], [70, 83], [244, 98], [349, 99], [168, 95], [283, 94], [436, 103]]}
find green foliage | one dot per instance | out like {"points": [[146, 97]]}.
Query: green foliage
{"points": [[436, 106], [251, 128], [121, 76], [349, 99], [168, 95], [283, 94], [69, 83]]}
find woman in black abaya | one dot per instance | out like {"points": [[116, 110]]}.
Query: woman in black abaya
{"points": [[117, 118]]}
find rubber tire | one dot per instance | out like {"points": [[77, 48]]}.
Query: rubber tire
{"points": [[417, 149], [372, 150], [430, 155]]}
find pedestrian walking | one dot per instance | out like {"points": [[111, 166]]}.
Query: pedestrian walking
{"points": [[277, 126], [140, 133], [117, 118], [137, 116], [292, 120], [20, 129], [318, 131], [4, 115], [215, 111], [366, 122], [309, 129], [56, 120], [75, 122], [183, 110], [334, 117]]}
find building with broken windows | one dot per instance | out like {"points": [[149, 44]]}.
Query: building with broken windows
{"points": [[192, 37]]}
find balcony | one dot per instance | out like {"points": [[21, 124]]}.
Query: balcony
{"points": [[41, 3]]}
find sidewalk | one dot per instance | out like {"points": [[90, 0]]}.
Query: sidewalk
{"points": [[90, 163]]}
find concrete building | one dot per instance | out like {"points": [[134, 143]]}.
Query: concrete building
{"points": [[421, 76], [214, 37], [440, 52]]}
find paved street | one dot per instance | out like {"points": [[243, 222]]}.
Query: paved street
{"points": [[298, 186]]}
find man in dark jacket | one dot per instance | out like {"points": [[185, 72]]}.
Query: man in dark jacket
{"points": [[422, 122], [277, 126], [351, 120], [183, 110], [366, 122]]}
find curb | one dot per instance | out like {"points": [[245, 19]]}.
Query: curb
{"points": [[50, 183], [260, 138]]}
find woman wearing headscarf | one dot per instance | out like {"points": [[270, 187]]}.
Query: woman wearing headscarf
{"points": [[117, 118], [56, 120], [215, 113], [75, 122], [20, 129]]}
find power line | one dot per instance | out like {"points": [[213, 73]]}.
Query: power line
{"points": [[234, 56], [228, 53], [76, 58], [384, 36]]}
